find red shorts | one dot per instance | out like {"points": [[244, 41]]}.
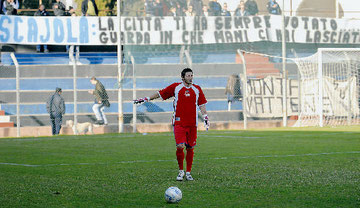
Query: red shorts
{"points": [[185, 134]]}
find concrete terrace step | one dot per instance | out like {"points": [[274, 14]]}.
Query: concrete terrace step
{"points": [[263, 70], [260, 65]]}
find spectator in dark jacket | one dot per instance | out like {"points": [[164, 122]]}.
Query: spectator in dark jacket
{"points": [[10, 7], [89, 8], [149, 7], [158, 8], [273, 7], [41, 12], [215, 8], [59, 8], [240, 11], [224, 11], [2, 6], [180, 10], [197, 6], [55, 106], [251, 7]]}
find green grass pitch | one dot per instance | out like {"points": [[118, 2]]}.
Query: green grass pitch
{"points": [[306, 167]]}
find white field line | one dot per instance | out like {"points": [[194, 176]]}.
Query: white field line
{"points": [[213, 158]]}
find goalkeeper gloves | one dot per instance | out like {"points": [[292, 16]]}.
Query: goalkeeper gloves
{"points": [[142, 100], [206, 122]]}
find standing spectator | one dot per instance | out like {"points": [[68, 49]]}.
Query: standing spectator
{"points": [[273, 7], [241, 11], [224, 11], [89, 8], [59, 8], [180, 10], [158, 8], [149, 7], [55, 106], [41, 12], [215, 8], [233, 89], [2, 6], [10, 7], [205, 11], [197, 6], [251, 7], [172, 12], [188, 97], [190, 12], [101, 101], [171, 3], [183, 4]]}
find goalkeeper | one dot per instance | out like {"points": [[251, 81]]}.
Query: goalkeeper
{"points": [[187, 96]]}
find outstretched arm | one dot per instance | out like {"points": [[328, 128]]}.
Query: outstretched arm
{"points": [[147, 99]]}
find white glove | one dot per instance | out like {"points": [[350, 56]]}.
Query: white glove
{"points": [[206, 122], [142, 100]]}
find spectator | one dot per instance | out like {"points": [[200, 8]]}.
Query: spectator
{"points": [[251, 7], [241, 11], [171, 3], [233, 89], [158, 8], [2, 6], [215, 8], [197, 6], [55, 106], [41, 12], [224, 11], [190, 12], [205, 11], [273, 7], [10, 7], [101, 101], [172, 12], [180, 10], [59, 8], [89, 8], [183, 4], [149, 7]]}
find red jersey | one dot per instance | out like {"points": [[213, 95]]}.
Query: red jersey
{"points": [[186, 101]]}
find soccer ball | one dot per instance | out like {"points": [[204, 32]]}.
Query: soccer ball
{"points": [[173, 194]]}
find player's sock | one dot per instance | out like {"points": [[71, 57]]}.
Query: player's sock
{"points": [[189, 159], [180, 157]]}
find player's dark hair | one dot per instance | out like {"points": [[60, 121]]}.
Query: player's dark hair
{"points": [[184, 72]]}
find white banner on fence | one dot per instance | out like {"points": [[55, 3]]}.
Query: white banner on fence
{"points": [[264, 97], [336, 95], [175, 30]]}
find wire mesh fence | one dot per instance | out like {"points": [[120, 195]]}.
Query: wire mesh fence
{"points": [[92, 92]]}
